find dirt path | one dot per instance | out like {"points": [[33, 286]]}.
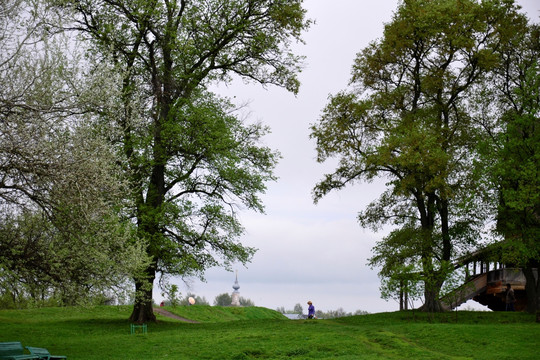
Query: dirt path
{"points": [[169, 314]]}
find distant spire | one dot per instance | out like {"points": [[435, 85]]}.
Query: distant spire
{"points": [[236, 294], [236, 286]]}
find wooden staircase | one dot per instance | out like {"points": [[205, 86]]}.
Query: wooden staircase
{"points": [[489, 289], [475, 286]]}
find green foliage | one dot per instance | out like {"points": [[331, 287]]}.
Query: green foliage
{"points": [[224, 299], [215, 155], [103, 332], [517, 171], [198, 300], [65, 239], [408, 119], [511, 151], [320, 314], [172, 293], [190, 160], [338, 313], [245, 302]]}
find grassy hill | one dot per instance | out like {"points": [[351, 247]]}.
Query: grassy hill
{"points": [[259, 333], [206, 313]]}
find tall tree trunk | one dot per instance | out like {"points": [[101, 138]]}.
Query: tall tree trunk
{"points": [[431, 298], [447, 241], [432, 284], [532, 288], [148, 223], [432, 290], [143, 310]]}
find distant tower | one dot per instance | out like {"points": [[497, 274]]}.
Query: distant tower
{"points": [[236, 294]]}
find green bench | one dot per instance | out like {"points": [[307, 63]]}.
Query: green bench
{"points": [[13, 350], [134, 327], [44, 354]]}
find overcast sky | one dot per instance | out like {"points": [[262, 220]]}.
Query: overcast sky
{"points": [[306, 251]]}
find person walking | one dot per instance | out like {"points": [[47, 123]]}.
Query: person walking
{"points": [[311, 310], [510, 298]]}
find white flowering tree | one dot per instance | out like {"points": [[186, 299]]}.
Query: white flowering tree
{"points": [[62, 233]]}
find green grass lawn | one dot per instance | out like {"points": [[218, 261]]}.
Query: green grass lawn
{"points": [[259, 333]]}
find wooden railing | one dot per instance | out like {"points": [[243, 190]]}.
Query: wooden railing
{"points": [[467, 291]]}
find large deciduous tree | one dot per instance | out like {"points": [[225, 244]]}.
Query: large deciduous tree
{"points": [[62, 233], [512, 155], [518, 180], [190, 159], [407, 120]]}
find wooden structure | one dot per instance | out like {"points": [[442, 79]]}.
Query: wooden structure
{"points": [[489, 289], [486, 279]]}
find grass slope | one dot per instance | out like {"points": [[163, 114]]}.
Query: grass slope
{"points": [[258, 333], [206, 313]]}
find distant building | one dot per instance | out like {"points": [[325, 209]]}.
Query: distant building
{"points": [[236, 294]]}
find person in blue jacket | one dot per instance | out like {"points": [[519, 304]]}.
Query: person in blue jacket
{"points": [[311, 310]]}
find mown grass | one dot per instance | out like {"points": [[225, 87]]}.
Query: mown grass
{"points": [[206, 313], [258, 333]]}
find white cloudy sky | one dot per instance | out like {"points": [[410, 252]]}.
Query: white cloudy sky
{"points": [[306, 251]]}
